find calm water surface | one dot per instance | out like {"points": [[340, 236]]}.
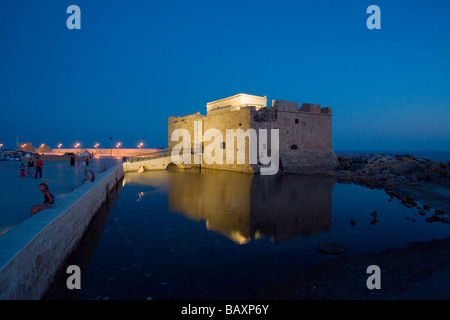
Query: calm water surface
{"points": [[219, 235]]}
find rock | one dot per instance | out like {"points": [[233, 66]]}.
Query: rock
{"points": [[446, 172], [379, 176], [374, 214], [439, 212], [445, 220], [374, 221], [359, 159], [409, 201], [433, 218], [397, 173], [345, 164], [434, 167], [422, 213], [411, 205], [426, 207], [331, 248], [421, 176]]}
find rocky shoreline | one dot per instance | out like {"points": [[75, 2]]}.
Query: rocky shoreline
{"points": [[419, 271], [404, 177]]}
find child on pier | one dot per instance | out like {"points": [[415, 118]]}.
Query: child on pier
{"points": [[22, 170]]}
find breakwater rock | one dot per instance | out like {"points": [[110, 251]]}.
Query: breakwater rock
{"points": [[402, 176]]}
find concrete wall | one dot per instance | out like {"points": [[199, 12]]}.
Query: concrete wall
{"points": [[151, 164], [107, 151], [32, 253]]}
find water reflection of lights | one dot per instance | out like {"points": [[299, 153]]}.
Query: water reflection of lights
{"points": [[238, 237], [140, 196]]}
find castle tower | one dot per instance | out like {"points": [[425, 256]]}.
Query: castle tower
{"points": [[304, 133]]}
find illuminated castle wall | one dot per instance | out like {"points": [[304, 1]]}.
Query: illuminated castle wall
{"points": [[305, 132]]}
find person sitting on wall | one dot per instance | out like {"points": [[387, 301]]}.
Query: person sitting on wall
{"points": [[49, 199], [141, 169], [89, 176]]}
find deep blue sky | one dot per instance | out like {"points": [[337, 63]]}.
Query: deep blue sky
{"points": [[134, 63]]}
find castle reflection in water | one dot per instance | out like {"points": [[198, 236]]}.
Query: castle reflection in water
{"points": [[246, 207]]}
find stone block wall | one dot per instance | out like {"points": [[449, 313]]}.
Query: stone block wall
{"points": [[305, 133], [185, 122], [151, 164]]}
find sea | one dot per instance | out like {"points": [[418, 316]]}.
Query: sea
{"points": [[224, 235], [216, 235]]}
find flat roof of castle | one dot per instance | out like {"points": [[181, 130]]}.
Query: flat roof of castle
{"points": [[235, 96]]}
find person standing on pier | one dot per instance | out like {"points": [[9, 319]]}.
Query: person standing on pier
{"points": [[39, 165], [30, 167]]}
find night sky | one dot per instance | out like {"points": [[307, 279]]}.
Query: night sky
{"points": [[134, 63]]}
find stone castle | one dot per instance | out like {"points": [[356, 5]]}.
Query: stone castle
{"points": [[305, 133]]}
